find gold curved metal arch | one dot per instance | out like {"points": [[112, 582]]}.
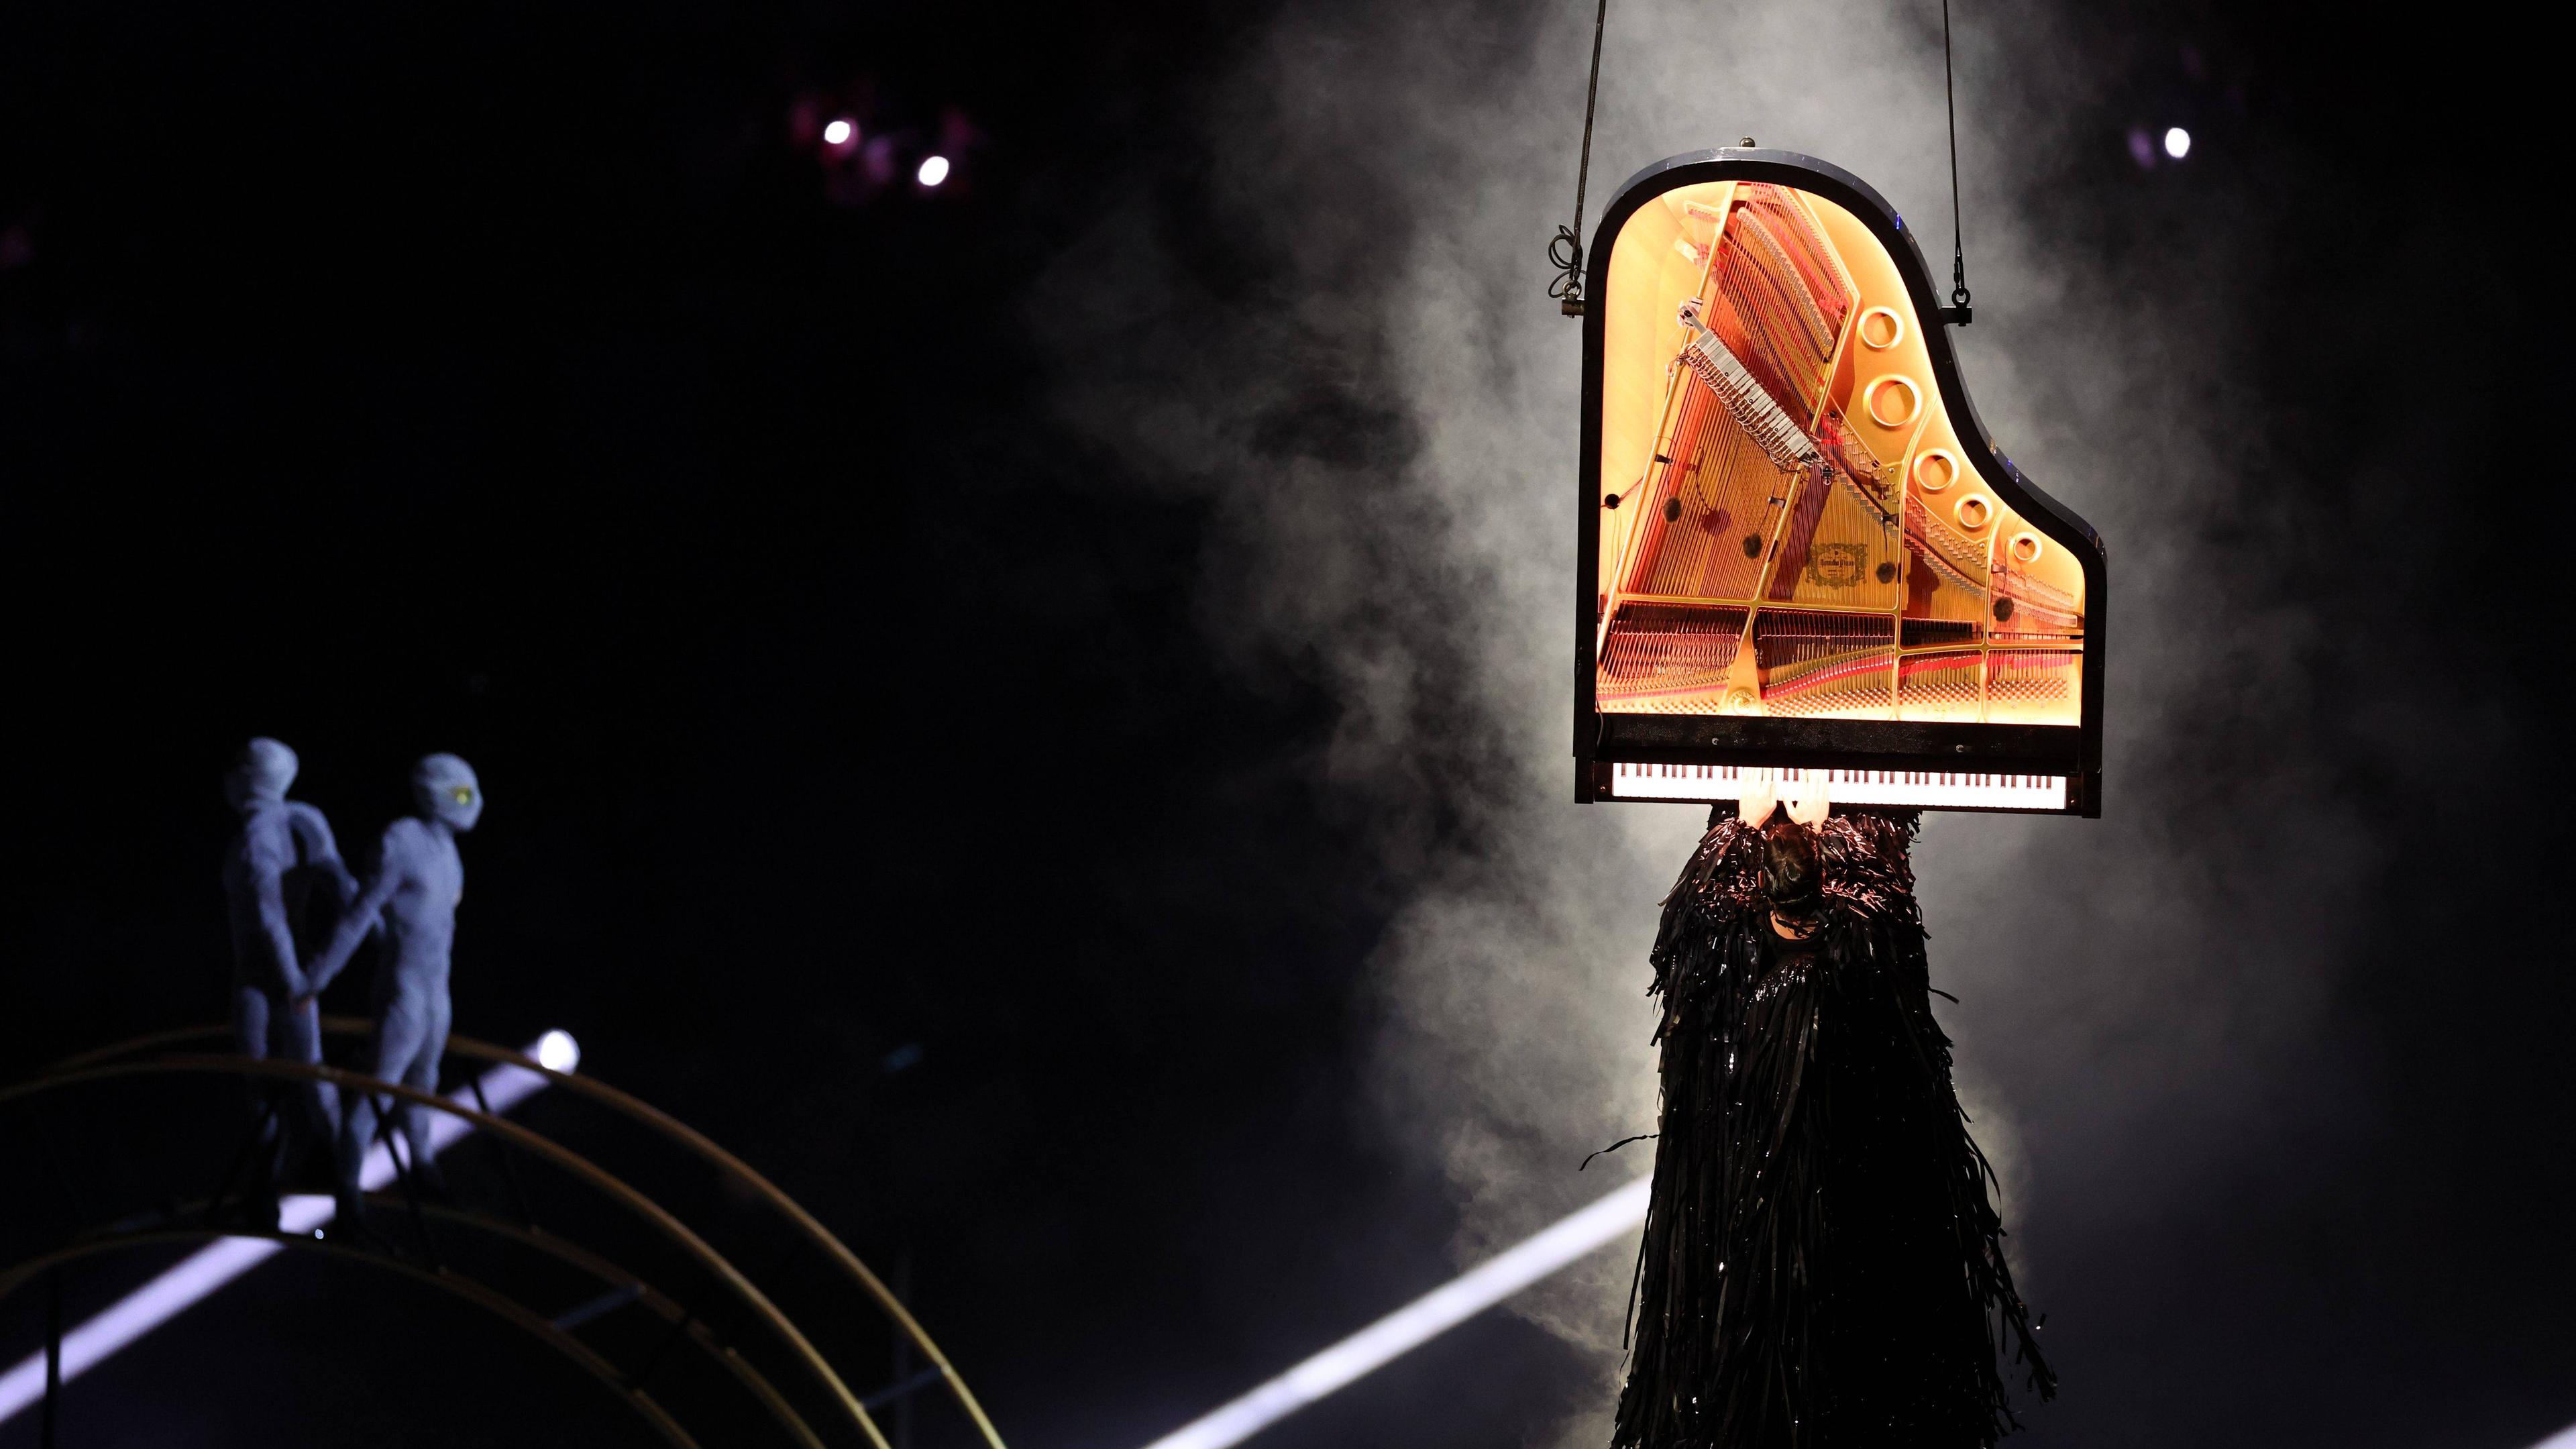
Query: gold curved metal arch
{"points": [[563, 1157], [582, 1260], [466, 1288], [668, 1126], [660, 1304]]}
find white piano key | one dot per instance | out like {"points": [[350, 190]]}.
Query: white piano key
{"points": [[1954, 789]]}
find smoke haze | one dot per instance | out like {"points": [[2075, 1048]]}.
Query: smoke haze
{"points": [[1366, 385]]}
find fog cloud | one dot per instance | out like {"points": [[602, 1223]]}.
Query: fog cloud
{"points": [[1367, 385]]}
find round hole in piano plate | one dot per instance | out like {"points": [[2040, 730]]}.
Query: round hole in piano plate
{"points": [[1973, 512], [1753, 545], [1894, 400], [1881, 329], [1935, 469], [2026, 548]]}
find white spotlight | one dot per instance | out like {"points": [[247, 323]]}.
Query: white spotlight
{"points": [[2177, 143], [558, 1052], [838, 133], [933, 171]]}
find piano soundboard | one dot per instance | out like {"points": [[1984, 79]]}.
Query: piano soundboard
{"points": [[1796, 545], [1922, 789]]}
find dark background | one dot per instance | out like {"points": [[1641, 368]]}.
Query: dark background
{"points": [[527, 384]]}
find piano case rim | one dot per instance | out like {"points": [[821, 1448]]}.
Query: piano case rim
{"points": [[2072, 750]]}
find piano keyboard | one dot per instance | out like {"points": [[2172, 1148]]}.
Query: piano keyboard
{"points": [[1935, 788]]}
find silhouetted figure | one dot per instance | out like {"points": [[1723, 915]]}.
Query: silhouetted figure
{"points": [[284, 886], [419, 880]]}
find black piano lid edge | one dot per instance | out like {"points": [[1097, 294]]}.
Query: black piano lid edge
{"points": [[1823, 178]]}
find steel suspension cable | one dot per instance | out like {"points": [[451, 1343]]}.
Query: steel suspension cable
{"points": [[1565, 253], [1958, 247]]}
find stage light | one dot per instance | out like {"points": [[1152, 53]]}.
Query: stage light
{"points": [[2563, 1439], [2177, 143], [558, 1052], [838, 133], [220, 1262], [1426, 1317], [933, 171]]}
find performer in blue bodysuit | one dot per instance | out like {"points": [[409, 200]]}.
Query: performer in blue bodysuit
{"points": [[284, 886], [419, 880]]}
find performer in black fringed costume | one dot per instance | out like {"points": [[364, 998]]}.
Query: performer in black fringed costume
{"points": [[1821, 1266]]}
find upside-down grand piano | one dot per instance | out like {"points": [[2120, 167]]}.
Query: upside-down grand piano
{"points": [[1803, 566]]}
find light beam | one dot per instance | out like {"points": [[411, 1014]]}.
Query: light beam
{"points": [[220, 1262], [1416, 1323]]}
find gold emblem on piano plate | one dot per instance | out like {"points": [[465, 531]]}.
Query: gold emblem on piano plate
{"points": [[1837, 565]]}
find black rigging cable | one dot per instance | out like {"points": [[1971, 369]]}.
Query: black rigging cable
{"points": [[1565, 250], [1565, 253], [1958, 311]]}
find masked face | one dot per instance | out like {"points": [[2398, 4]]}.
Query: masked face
{"points": [[444, 788], [260, 774]]}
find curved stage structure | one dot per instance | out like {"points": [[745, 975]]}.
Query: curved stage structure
{"points": [[751, 1372]]}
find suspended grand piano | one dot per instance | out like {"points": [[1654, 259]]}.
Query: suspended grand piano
{"points": [[1801, 559]]}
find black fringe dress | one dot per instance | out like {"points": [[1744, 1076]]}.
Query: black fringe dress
{"points": [[1822, 1267]]}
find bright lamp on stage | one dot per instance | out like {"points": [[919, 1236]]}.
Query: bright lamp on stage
{"points": [[558, 1052], [1804, 568]]}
